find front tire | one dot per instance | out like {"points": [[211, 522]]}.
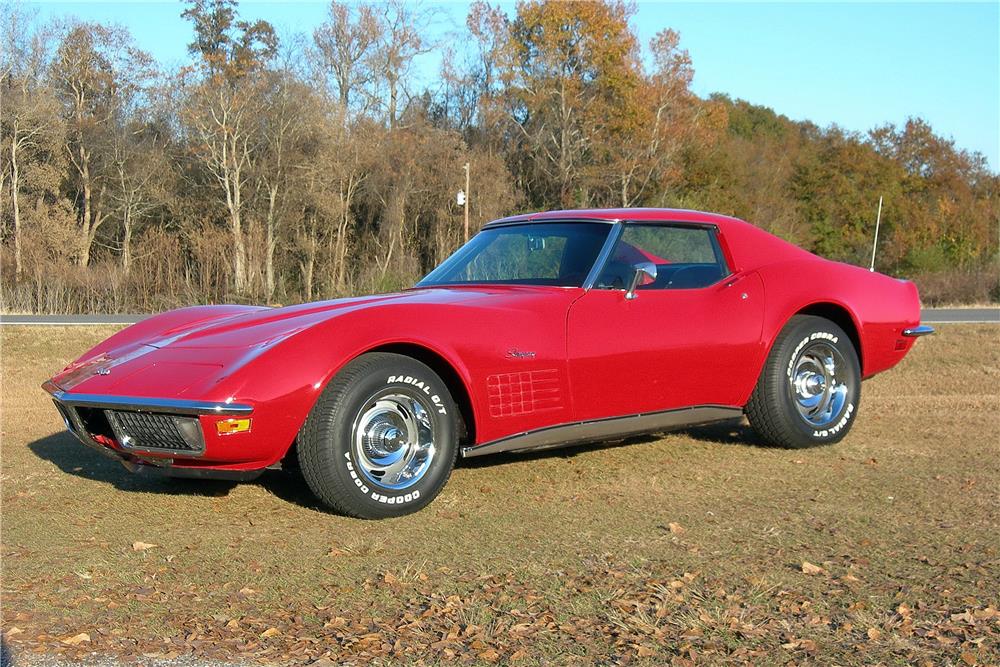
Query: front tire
{"points": [[810, 388], [381, 440]]}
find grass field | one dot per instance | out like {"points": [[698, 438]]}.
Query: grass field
{"points": [[696, 548]]}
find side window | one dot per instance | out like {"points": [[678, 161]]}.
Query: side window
{"points": [[685, 257]]}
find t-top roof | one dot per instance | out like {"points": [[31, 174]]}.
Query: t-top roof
{"points": [[623, 215]]}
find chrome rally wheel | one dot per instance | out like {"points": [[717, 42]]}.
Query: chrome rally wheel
{"points": [[809, 390], [819, 392], [394, 441], [381, 439]]}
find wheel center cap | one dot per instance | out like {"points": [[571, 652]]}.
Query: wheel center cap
{"points": [[383, 439], [810, 384], [392, 439]]}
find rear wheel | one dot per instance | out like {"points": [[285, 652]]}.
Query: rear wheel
{"points": [[810, 388], [381, 440]]}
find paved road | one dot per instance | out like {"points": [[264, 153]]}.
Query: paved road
{"points": [[54, 320], [943, 315], [929, 315]]}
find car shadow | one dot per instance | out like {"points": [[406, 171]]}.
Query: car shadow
{"points": [[66, 452], [73, 458]]}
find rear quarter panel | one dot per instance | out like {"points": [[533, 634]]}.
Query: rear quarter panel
{"points": [[880, 306]]}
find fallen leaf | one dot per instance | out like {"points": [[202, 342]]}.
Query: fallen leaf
{"points": [[14, 630], [675, 528], [809, 568], [142, 546], [76, 639], [270, 632], [969, 658], [517, 655], [489, 656], [874, 634]]}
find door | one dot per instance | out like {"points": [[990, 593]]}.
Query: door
{"points": [[690, 337]]}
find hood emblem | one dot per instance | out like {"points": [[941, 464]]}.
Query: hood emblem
{"points": [[515, 353], [103, 371]]}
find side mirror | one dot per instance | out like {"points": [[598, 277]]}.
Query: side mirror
{"points": [[644, 273]]}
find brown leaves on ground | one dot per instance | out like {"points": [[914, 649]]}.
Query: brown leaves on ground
{"points": [[809, 568], [623, 615]]}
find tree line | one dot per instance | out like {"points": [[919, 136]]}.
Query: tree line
{"points": [[313, 166]]}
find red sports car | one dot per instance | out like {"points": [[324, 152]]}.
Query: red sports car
{"points": [[545, 329]]}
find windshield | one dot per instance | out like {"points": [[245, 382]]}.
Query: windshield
{"points": [[559, 254]]}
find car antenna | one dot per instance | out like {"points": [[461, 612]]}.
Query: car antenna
{"points": [[878, 220]]}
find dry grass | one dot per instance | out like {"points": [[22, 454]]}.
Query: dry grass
{"points": [[567, 557]]}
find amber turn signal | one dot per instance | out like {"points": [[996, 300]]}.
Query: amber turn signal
{"points": [[231, 426]]}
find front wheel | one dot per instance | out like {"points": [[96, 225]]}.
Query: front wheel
{"points": [[381, 440], [809, 391]]}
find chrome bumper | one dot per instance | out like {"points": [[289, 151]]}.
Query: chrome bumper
{"points": [[916, 332], [175, 406], [147, 461]]}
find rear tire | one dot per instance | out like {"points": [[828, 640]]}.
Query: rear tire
{"points": [[381, 440], [810, 388]]}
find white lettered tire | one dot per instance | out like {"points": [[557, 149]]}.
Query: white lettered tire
{"points": [[381, 439], [810, 388]]}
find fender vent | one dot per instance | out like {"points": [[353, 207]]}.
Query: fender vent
{"points": [[527, 392]]}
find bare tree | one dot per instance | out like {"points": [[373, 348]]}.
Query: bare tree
{"points": [[97, 72], [222, 110], [346, 44], [222, 122], [138, 164], [404, 36], [30, 127]]}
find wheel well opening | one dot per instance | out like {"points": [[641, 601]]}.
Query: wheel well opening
{"points": [[440, 365], [842, 318]]}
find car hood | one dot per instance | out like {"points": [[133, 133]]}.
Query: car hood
{"points": [[266, 326], [201, 351]]}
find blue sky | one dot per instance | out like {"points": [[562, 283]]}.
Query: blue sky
{"points": [[857, 65]]}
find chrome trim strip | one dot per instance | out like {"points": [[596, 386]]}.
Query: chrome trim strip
{"points": [[916, 332], [140, 404], [604, 255], [603, 429]]}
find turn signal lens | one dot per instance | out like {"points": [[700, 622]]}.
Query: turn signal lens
{"points": [[231, 426]]}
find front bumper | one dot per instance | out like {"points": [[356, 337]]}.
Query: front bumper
{"points": [[161, 437]]}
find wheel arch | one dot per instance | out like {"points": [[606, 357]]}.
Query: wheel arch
{"points": [[447, 372], [839, 315]]}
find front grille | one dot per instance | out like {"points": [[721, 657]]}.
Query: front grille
{"points": [[157, 432]]}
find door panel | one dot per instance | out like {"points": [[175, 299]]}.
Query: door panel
{"points": [[667, 348]]}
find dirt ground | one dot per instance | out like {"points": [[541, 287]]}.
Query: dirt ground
{"points": [[700, 547]]}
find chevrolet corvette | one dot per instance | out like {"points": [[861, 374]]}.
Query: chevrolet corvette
{"points": [[544, 330]]}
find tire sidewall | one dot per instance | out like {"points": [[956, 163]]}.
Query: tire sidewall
{"points": [[410, 378], [799, 339]]}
